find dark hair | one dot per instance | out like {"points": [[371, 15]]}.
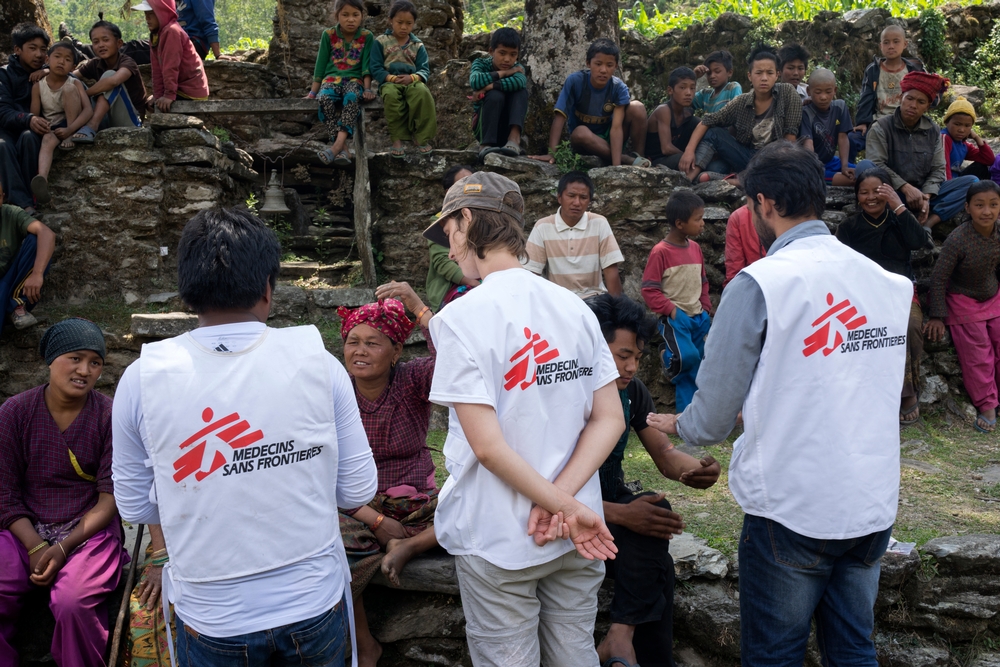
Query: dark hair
{"points": [[723, 57], [621, 312], [791, 176], [790, 52], [575, 177], [449, 179], [605, 46], [505, 37], [682, 205], [403, 6], [762, 52], [224, 259], [980, 187], [25, 32], [680, 74], [62, 45], [357, 4], [491, 229], [107, 25], [872, 172]]}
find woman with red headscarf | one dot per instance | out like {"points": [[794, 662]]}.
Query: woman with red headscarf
{"points": [[395, 411], [908, 146]]}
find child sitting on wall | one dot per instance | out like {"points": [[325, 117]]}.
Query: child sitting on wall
{"points": [[718, 69], [62, 101], [596, 106], [118, 93], [959, 128], [675, 285], [399, 65], [669, 127], [342, 75], [500, 96], [793, 60], [825, 125], [175, 66], [445, 280]]}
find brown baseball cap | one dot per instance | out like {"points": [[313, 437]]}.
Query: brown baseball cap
{"points": [[484, 190]]}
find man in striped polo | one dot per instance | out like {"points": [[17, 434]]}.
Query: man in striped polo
{"points": [[574, 248]]}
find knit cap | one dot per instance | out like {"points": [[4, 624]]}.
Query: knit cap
{"points": [[71, 335], [960, 105]]}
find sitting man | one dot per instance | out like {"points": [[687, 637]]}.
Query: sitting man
{"points": [[642, 608], [26, 247], [21, 131], [573, 247]]}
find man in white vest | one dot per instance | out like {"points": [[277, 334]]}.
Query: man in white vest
{"points": [[241, 441], [810, 344]]}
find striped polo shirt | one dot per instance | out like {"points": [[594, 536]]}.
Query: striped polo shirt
{"points": [[573, 257]]}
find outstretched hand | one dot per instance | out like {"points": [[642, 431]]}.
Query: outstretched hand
{"points": [[664, 423], [703, 477]]}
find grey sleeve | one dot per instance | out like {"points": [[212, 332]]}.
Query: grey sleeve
{"points": [[731, 355]]}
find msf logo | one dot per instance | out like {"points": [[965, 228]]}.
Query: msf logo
{"points": [[228, 433], [819, 339], [537, 351]]}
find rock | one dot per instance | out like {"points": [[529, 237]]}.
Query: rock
{"points": [[965, 554], [396, 615], [173, 121], [694, 558], [866, 19], [716, 214], [924, 656], [935, 388], [986, 660], [896, 568], [913, 464], [289, 303], [707, 614], [837, 197], [521, 165], [187, 137], [991, 474], [162, 297], [975, 95], [431, 574], [162, 325], [125, 137], [352, 297], [446, 652], [719, 192]]}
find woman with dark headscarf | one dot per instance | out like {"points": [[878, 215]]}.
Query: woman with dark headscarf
{"points": [[59, 525], [395, 410]]}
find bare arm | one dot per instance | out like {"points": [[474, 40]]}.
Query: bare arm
{"points": [[555, 132], [86, 109], [46, 245], [599, 437], [36, 101], [687, 161], [54, 558], [613, 280], [104, 85], [616, 139]]}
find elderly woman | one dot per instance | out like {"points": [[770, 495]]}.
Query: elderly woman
{"points": [[395, 411], [59, 525], [908, 146]]}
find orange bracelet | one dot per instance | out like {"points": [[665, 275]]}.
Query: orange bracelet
{"points": [[378, 522], [420, 315]]}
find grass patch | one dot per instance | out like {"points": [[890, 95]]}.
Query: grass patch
{"points": [[931, 504], [111, 314]]}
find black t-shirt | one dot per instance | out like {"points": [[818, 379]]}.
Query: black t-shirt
{"points": [[95, 68], [637, 403]]}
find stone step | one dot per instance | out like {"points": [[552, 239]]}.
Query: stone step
{"points": [[333, 272], [162, 325]]}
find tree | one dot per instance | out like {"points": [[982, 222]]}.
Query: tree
{"points": [[13, 12]]}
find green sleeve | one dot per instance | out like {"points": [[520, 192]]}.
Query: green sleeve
{"points": [[481, 74], [322, 58], [445, 267], [517, 82], [19, 219], [377, 62], [366, 55], [423, 65]]}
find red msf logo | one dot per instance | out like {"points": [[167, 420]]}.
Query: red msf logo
{"points": [[818, 339], [537, 350], [229, 430]]}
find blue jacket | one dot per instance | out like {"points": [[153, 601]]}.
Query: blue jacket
{"points": [[15, 97], [197, 17]]}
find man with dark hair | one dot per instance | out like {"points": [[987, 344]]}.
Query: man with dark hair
{"points": [[573, 247], [817, 467], [642, 607], [255, 439], [20, 130]]}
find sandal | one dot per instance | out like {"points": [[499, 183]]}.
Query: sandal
{"points": [[425, 149], [84, 135], [913, 412], [610, 662], [40, 188], [343, 159], [325, 156], [486, 150], [639, 161], [67, 145], [397, 152], [510, 149], [989, 424]]}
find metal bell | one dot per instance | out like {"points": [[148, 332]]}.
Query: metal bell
{"points": [[274, 197]]}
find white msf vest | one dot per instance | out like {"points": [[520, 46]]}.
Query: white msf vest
{"points": [[820, 449], [244, 452]]}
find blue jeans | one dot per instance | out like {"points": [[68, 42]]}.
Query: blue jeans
{"points": [[12, 282], [727, 149], [950, 199], [318, 642], [683, 350], [787, 579]]}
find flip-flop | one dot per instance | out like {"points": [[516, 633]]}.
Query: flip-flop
{"points": [[989, 423], [510, 149], [397, 152], [66, 145], [486, 150], [40, 188], [84, 135], [425, 149], [343, 159], [915, 408], [640, 161], [325, 156], [610, 662]]}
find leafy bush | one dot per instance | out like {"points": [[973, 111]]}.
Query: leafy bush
{"points": [[567, 160], [934, 49]]}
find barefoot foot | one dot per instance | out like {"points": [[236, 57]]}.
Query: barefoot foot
{"points": [[369, 654], [398, 553]]}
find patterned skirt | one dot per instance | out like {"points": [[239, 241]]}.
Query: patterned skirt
{"points": [[146, 645]]}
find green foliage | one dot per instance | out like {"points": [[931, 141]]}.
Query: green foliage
{"points": [[488, 15], [982, 70], [222, 133], [846, 88], [252, 202], [567, 160], [247, 44], [934, 49]]}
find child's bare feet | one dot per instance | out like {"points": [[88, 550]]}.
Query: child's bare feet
{"points": [[369, 652], [398, 553]]}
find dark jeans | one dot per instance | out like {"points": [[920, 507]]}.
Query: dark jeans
{"points": [[12, 281], [500, 112], [727, 149], [787, 580], [18, 165], [320, 641], [643, 573]]}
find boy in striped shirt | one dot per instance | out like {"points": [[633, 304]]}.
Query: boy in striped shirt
{"points": [[575, 248]]}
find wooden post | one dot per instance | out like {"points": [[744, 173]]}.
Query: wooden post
{"points": [[363, 204], [122, 620]]}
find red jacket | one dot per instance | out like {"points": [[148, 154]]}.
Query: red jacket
{"points": [[743, 246], [177, 70], [983, 154]]}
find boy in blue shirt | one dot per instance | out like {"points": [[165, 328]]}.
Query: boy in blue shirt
{"points": [[826, 123], [596, 107], [718, 68]]}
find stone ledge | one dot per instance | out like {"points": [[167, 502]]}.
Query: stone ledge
{"points": [[162, 325]]}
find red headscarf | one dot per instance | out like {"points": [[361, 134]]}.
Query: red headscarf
{"points": [[931, 85], [387, 316]]}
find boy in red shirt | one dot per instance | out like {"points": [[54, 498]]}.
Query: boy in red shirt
{"points": [[675, 286], [961, 143]]}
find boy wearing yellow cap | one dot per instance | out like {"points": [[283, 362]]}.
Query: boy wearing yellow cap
{"points": [[961, 142]]}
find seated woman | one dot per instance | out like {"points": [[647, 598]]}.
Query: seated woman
{"points": [[908, 146], [395, 411], [885, 232], [59, 526]]}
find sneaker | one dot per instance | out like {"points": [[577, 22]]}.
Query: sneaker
{"points": [[22, 319]]}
